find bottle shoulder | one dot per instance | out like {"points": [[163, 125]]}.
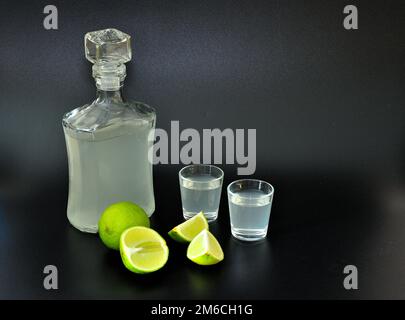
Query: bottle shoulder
{"points": [[99, 115]]}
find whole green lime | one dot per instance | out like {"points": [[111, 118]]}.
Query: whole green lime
{"points": [[117, 218]]}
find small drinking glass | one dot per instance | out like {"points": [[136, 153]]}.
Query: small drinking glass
{"points": [[200, 188], [249, 208]]}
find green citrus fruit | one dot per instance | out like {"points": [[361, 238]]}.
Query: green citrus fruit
{"points": [[143, 250], [117, 218], [186, 231], [205, 249]]}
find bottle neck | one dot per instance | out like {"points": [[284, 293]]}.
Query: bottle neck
{"points": [[109, 76], [109, 96]]}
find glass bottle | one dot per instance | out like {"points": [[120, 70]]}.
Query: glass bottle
{"points": [[109, 139]]}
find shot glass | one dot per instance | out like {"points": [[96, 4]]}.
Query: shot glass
{"points": [[200, 188], [249, 208]]}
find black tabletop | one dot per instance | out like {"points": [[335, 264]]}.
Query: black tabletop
{"points": [[327, 105], [319, 224]]}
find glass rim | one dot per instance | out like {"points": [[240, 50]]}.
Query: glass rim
{"points": [[253, 180], [201, 165]]}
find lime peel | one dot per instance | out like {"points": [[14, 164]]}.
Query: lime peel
{"points": [[188, 230], [143, 250], [118, 217], [205, 249]]}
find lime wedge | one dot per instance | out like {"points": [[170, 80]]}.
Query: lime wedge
{"points": [[143, 250], [205, 249], [186, 231]]}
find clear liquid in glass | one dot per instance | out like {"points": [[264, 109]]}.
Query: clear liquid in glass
{"points": [[108, 166], [249, 213], [109, 140], [201, 192]]}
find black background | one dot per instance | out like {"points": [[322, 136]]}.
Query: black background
{"points": [[328, 106]]}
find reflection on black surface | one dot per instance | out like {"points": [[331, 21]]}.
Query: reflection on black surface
{"points": [[252, 263], [318, 224], [94, 268], [204, 280]]}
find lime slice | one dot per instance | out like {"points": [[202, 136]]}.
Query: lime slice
{"points": [[143, 250], [205, 249], [186, 231]]}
